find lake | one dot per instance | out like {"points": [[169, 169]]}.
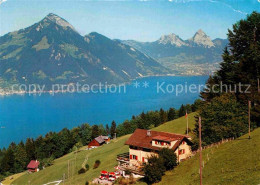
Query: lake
{"points": [[23, 116]]}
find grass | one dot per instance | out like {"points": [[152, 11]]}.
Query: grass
{"points": [[43, 44], [178, 125], [106, 154], [9, 180], [233, 163]]}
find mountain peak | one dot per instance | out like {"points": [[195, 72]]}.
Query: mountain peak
{"points": [[201, 38], [58, 20], [201, 32], [171, 39]]}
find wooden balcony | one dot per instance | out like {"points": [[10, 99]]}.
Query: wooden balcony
{"points": [[134, 169], [123, 158]]}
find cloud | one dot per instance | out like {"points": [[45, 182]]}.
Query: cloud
{"points": [[211, 1], [2, 1]]}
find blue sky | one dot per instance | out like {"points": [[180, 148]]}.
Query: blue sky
{"points": [[143, 20]]}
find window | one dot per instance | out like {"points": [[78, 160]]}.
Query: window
{"points": [[156, 142], [133, 157], [181, 151], [183, 142]]}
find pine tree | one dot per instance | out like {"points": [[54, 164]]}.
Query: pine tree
{"points": [[182, 111], [171, 114], [163, 116], [30, 149], [95, 131], [107, 130], [113, 129], [21, 157]]}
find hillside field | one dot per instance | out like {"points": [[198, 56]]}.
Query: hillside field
{"points": [[233, 163], [106, 154]]}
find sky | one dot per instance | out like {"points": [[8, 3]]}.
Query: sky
{"points": [[142, 20]]}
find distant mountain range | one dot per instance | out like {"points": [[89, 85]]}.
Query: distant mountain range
{"points": [[52, 51], [199, 54]]}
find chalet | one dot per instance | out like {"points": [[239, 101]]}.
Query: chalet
{"points": [[33, 166], [145, 143], [98, 141]]}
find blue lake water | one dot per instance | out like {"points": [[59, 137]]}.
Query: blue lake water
{"points": [[23, 116]]}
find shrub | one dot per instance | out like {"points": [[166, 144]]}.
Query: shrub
{"points": [[82, 170], [86, 167], [154, 170], [96, 165], [46, 162], [121, 181], [169, 158]]}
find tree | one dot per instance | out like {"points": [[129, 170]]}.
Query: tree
{"points": [[107, 130], [85, 134], [163, 116], [8, 162], [30, 149], [171, 114], [223, 117], [169, 158], [113, 129], [154, 170], [95, 131], [196, 105], [240, 61], [182, 111], [21, 157]]}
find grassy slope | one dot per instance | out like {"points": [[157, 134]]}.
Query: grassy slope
{"points": [[232, 163], [9, 180], [178, 125], [106, 154]]}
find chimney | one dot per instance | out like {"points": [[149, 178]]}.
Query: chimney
{"points": [[149, 133]]}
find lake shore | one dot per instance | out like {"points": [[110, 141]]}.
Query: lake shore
{"points": [[52, 92]]}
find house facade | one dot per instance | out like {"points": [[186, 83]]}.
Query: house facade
{"points": [[145, 143]]}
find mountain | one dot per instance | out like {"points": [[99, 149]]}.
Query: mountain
{"points": [[172, 39], [195, 56], [52, 51], [201, 39]]}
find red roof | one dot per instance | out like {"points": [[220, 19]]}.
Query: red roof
{"points": [[33, 164], [164, 138], [140, 139]]}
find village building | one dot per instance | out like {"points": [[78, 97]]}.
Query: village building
{"points": [[98, 141], [33, 166], [145, 143]]}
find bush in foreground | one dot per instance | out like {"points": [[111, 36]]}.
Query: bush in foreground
{"points": [[86, 167], [81, 171], [154, 170], [96, 165], [169, 158]]}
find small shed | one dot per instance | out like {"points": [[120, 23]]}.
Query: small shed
{"points": [[33, 166], [98, 141]]}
